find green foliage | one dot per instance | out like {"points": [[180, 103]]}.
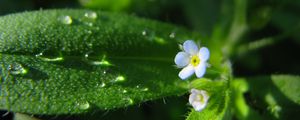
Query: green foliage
{"points": [[275, 96], [71, 61], [288, 85], [96, 64]]}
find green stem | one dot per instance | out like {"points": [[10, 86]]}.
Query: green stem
{"points": [[238, 27], [264, 42]]}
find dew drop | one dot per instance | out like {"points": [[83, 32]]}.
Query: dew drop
{"points": [[39, 54], [86, 55], [65, 20], [89, 32], [17, 69], [90, 45], [120, 78], [90, 24], [84, 105], [53, 59], [102, 85], [145, 89], [124, 91], [91, 15], [103, 62], [172, 35], [159, 40], [144, 32], [142, 88], [42, 57], [129, 100]]}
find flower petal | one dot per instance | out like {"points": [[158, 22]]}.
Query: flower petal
{"points": [[190, 47], [204, 54], [198, 99], [186, 72], [182, 59], [198, 106], [200, 69]]}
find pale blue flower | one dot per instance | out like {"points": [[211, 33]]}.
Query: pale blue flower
{"points": [[192, 60], [198, 99]]}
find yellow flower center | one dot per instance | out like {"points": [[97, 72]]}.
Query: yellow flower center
{"points": [[201, 98], [195, 60]]}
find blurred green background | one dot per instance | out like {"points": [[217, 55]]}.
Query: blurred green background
{"points": [[269, 46]]}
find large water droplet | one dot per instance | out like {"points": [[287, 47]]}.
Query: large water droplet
{"points": [[124, 91], [86, 55], [17, 69], [65, 20], [145, 89], [91, 15], [172, 35], [102, 85], [93, 61], [159, 40], [84, 105], [129, 100], [102, 63], [120, 78], [48, 59], [144, 32]]}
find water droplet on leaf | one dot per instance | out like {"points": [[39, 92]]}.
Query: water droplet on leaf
{"points": [[103, 62], [159, 40], [172, 35], [38, 55], [145, 89], [102, 85], [65, 20], [84, 105], [86, 55], [89, 32], [129, 100], [124, 91], [144, 32], [89, 24], [17, 69], [91, 15], [120, 78], [48, 59]]}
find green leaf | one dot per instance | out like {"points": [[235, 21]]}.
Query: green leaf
{"points": [[73, 61], [288, 85], [241, 109], [276, 95], [217, 107]]}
